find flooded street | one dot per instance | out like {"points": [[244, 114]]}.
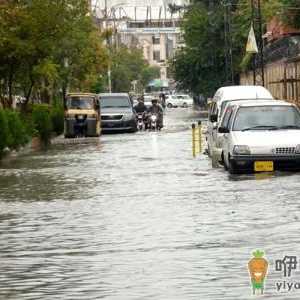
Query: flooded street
{"points": [[136, 217]]}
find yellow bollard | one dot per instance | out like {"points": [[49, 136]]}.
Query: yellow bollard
{"points": [[200, 136], [194, 140]]}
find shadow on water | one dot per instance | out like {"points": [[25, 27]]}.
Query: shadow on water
{"points": [[261, 176]]}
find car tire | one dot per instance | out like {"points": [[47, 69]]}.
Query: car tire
{"points": [[169, 105], [221, 161], [232, 168], [224, 162], [209, 151], [133, 130], [184, 105]]}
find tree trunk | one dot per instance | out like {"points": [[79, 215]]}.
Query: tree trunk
{"points": [[10, 87], [27, 96]]}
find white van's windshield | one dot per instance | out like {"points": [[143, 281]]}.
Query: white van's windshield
{"points": [[266, 117]]}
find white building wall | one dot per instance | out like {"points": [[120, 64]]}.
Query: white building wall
{"points": [[145, 41]]}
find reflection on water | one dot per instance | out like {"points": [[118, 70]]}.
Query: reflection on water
{"points": [[136, 217]]}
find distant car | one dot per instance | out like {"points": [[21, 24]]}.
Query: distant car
{"points": [[179, 101], [117, 113], [260, 136], [223, 96]]}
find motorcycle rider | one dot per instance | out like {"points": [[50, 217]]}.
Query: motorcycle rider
{"points": [[140, 107], [155, 108]]}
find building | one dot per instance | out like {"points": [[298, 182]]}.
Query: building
{"points": [[151, 26], [157, 39]]}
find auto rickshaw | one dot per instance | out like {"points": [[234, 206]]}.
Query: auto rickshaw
{"points": [[82, 115]]}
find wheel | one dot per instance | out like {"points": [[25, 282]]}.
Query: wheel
{"points": [[209, 151], [224, 162], [133, 130], [184, 105], [169, 105], [232, 168]]}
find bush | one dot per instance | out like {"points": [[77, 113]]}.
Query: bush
{"points": [[57, 118], [42, 122], [17, 130], [4, 132]]}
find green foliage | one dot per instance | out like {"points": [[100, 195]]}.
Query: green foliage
{"points": [[149, 73], [42, 122], [200, 66], [13, 130], [246, 61], [47, 46], [17, 130], [258, 254], [128, 64], [57, 119], [4, 132]]}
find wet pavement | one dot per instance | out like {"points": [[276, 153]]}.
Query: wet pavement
{"points": [[134, 216]]}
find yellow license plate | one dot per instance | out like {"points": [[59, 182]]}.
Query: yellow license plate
{"points": [[263, 166]]}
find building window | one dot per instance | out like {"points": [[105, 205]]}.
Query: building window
{"points": [[156, 40], [156, 55]]}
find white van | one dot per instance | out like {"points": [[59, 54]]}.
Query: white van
{"points": [[222, 97]]}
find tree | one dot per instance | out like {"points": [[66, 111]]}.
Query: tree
{"points": [[47, 46], [128, 65], [201, 65]]}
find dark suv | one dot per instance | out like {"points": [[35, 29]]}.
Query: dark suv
{"points": [[117, 113]]}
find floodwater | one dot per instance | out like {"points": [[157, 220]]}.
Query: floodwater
{"points": [[136, 217]]}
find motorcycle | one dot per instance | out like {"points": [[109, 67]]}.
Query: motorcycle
{"points": [[153, 122], [140, 121]]}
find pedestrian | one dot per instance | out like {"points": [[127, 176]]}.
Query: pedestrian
{"points": [[162, 97]]}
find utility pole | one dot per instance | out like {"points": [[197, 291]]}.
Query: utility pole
{"points": [[108, 45], [228, 42], [258, 74]]}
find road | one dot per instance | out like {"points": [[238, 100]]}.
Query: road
{"points": [[136, 217]]}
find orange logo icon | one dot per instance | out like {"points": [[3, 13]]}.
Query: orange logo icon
{"points": [[258, 268]]}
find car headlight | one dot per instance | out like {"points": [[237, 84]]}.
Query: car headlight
{"points": [[241, 149], [127, 117], [297, 149]]}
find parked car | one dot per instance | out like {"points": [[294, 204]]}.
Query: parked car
{"points": [[179, 101], [260, 136], [223, 96], [117, 113]]}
